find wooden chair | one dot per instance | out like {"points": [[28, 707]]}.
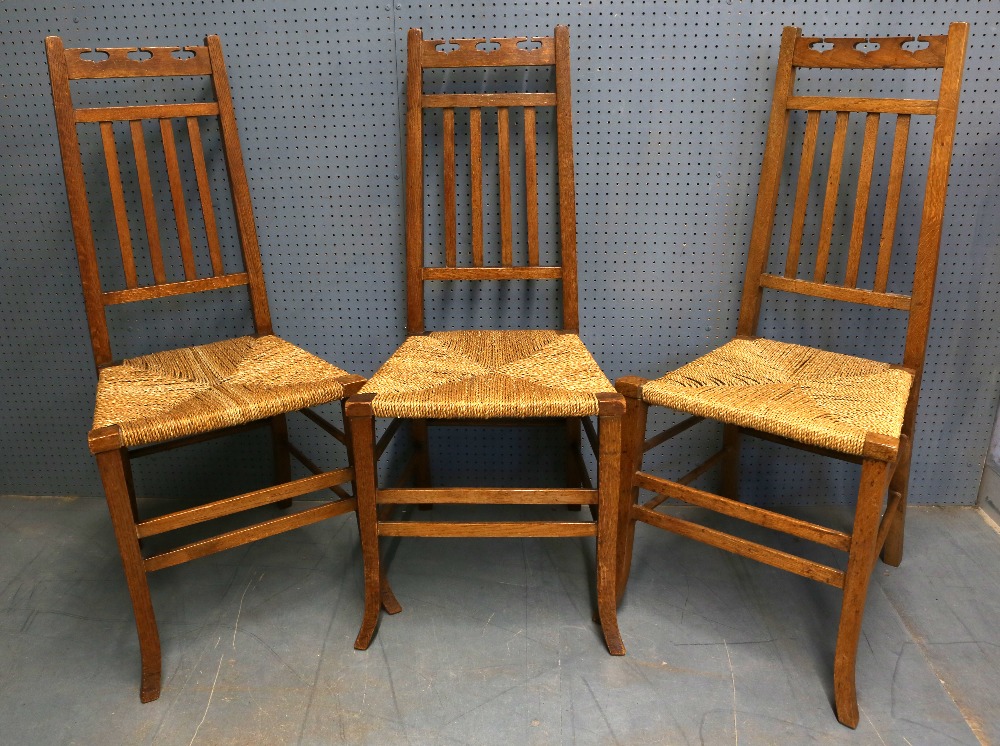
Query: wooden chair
{"points": [[483, 377], [160, 401], [846, 407]]}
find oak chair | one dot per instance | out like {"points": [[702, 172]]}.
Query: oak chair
{"points": [[489, 376], [163, 400], [847, 407]]}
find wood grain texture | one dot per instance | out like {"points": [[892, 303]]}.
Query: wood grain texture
{"points": [[862, 105], [750, 513], [897, 165], [567, 187], [76, 194], [767, 190], [118, 64], [832, 193], [205, 196], [802, 194], [861, 201], [890, 53], [177, 199], [476, 184], [448, 177], [486, 100], [115, 478], [503, 173], [152, 111], [466, 54], [487, 496], [884, 461], [836, 292], [531, 184], [414, 185], [240, 189], [492, 273], [490, 529], [860, 563], [114, 461], [118, 203], [232, 539], [148, 292], [148, 202], [231, 505]]}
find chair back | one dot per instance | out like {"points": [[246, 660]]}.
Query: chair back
{"points": [[423, 54], [944, 52], [67, 65]]}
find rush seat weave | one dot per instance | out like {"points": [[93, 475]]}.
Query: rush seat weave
{"points": [[812, 396], [486, 374], [194, 390]]}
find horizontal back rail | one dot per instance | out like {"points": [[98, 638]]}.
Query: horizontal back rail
{"points": [[486, 100], [154, 111], [508, 52], [118, 64], [884, 52], [863, 105]]}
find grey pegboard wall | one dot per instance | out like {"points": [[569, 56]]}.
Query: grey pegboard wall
{"points": [[670, 108]]}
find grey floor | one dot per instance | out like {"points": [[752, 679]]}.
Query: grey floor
{"points": [[495, 643]]}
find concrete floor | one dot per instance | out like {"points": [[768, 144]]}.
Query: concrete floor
{"points": [[495, 643]]}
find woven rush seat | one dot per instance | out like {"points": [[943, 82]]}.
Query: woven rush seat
{"points": [[194, 390], [486, 374], [812, 396]]}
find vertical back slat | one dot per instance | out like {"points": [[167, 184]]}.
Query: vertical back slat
{"points": [[531, 184], [476, 183], [177, 198], [830, 202], [448, 169], [118, 202], [567, 187], [503, 170], [802, 194], [414, 184], [148, 203], [861, 200], [896, 168], [205, 196]]}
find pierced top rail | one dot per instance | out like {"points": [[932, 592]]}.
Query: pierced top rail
{"points": [[118, 64], [508, 53], [888, 52]]}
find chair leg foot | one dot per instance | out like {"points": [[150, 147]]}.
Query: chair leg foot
{"points": [[149, 690], [625, 543], [389, 603], [369, 621], [608, 614]]}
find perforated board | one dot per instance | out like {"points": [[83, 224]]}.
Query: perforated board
{"points": [[670, 108]]}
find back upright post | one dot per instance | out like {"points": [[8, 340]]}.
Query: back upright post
{"points": [[414, 183]]}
